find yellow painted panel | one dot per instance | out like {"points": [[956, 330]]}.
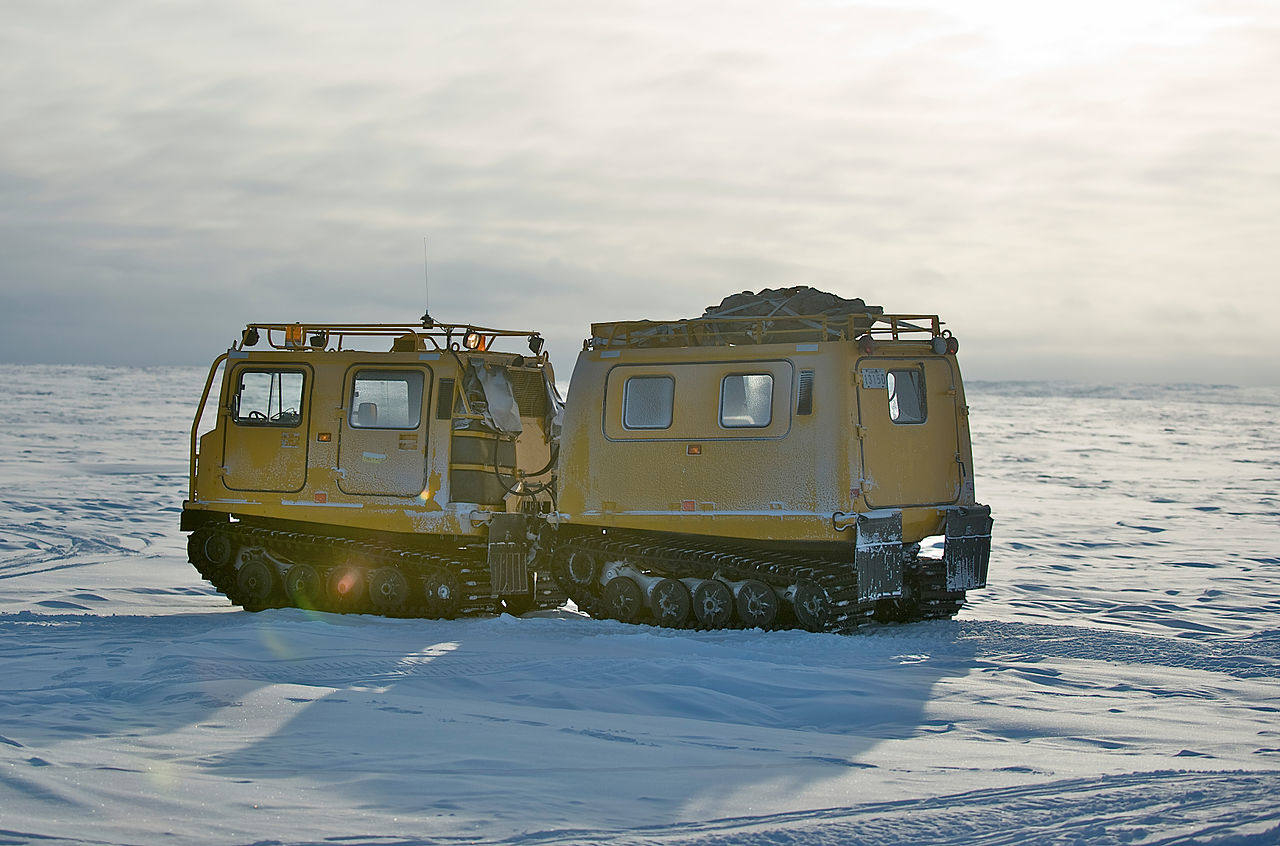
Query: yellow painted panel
{"points": [[383, 460], [910, 461], [263, 452], [697, 400]]}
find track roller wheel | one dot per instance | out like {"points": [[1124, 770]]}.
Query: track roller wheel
{"points": [[811, 606], [757, 604], [256, 581], [388, 590], [303, 586], [218, 549], [582, 568], [623, 599], [712, 604], [670, 602], [442, 595], [195, 549], [345, 587]]}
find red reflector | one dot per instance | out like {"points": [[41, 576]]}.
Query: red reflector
{"points": [[694, 449], [321, 496], [688, 505]]}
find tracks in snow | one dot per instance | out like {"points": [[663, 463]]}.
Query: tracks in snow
{"points": [[1164, 807]]}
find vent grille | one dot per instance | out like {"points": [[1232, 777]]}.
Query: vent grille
{"points": [[530, 392], [804, 393], [508, 573], [444, 400]]}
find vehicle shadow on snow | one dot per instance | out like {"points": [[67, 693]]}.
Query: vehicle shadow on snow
{"points": [[562, 720]]}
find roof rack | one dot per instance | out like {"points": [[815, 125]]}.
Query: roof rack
{"points": [[442, 336], [731, 331]]}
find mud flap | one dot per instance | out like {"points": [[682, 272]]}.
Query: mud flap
{"points": [[877, 558], [968, 549], [508, 572]]}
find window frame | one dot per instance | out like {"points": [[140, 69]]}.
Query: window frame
{"points": [[409, 373], [720, 408], [671, 409], [237, 388]]}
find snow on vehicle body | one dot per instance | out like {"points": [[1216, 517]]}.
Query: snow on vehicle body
{"points": [[369, 480], [777, 470]]}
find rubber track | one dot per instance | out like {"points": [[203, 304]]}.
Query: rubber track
{"points": [[467, 575], [676, 557]]}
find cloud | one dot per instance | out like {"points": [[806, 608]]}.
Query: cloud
{"points": [[203, 164]]}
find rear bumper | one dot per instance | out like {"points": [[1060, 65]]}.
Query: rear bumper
{"points": [[194, 518]]}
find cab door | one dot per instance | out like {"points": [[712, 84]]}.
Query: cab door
{"points": [[908, 431], [382, 441], [265, 437]]}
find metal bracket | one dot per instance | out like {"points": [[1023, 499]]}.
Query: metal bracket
{"points": [[877, 557], [968, 550]]}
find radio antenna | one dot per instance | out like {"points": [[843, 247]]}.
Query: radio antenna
{"points": [[427, 322]]}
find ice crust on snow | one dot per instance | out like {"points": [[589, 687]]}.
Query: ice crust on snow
{"points": [[1117, 683]]}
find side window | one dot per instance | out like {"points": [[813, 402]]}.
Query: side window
{"points": [[268, 398], [906, 396], [647, 402], [387, 399], [746, 400]]}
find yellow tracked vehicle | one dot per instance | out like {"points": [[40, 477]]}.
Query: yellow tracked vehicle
{"points": [[401, 480], [766, 465], [768, 469]]}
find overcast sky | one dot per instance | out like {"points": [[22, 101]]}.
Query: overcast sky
{"points": [[1084, 190]]}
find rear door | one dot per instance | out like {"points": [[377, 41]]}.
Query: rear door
{"points": [[265, 441], [908, 431], [382, 441]]}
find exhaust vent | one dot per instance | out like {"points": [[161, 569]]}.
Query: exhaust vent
{"points": [[804, 393], [444, 400]]}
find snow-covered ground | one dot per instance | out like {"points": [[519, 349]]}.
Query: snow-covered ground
{"points": [[1116, 684]]}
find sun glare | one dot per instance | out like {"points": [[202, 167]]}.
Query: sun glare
{"points": [[1019, 36]]}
